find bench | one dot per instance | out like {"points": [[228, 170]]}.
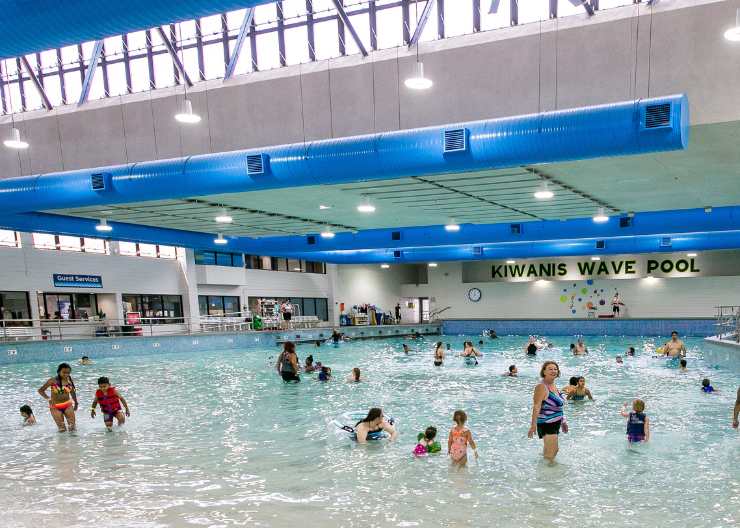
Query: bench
{"points": [[16, 333]]}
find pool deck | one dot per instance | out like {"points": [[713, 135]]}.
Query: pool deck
{"points": [[70, 351]]}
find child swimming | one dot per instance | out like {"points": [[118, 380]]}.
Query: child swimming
{"points": [[580, 392], [110, 401], [565, 391], [355, 376], [309, 365], [637, 426], [325, 374], [706, 387], [426, 443], [512, 371], [27, 414], [457, 444], [619, 359]]}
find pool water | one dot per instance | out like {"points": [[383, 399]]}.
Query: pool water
{"points": [[217, 439]]}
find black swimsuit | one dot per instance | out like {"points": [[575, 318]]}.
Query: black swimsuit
{"points": [[532, 349]]}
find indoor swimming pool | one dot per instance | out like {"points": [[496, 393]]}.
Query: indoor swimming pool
{"points": [[217, 439]]}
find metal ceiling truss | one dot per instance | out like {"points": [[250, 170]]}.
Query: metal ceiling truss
{"points": [[173, 55], [421, 24], [36, 83], [239, 44], [90, 73], [345, 19]]}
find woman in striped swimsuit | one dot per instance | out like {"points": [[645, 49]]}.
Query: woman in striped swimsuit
{"points": [[547, 416]]}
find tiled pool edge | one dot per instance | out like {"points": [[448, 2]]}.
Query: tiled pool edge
{"points": [[725, 354], [12, 352], [584, 327]]}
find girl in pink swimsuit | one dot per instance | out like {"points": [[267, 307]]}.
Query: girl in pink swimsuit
{"points": [[457, 445]]}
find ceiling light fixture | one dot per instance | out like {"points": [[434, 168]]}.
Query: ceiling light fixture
{"points": [[186, 115], [543, 192], [690, 254], [600, 217], [325, 207], [595, 258], [510, 261], [452, 226], [103, 226], [432, 264], [14, 141], [327, 233], [734, 33], [384, 266], [220, 239], [417, 81], [366, 207], [650, 278], [224, 217]]}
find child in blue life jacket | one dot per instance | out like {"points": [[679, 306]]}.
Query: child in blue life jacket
{"points": [[637, 425], [706, 387]]}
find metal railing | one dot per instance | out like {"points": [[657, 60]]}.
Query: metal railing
{"points": [[434, 314], [728, 322]]}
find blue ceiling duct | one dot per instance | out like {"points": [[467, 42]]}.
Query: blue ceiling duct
{"points": [[619, 129], [32, 26]]}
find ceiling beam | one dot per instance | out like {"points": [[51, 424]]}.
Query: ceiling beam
{"points": [[343, 15], [173, 55], [239, 44], [90, 73], [36, 83], [421, 23]]}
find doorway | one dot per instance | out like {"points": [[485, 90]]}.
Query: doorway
{"points": [[424, 305]]}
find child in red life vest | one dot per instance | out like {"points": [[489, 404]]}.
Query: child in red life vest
{"points": [[110, 401]]}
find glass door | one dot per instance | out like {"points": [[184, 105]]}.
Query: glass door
{"points": [[58, 306], [424, 310]]}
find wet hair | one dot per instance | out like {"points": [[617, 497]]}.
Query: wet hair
{"points": [[309, 360], [683, 363], [61, 367], [459, 417], [545, 365], [430, 433], [289, 346], [638, 405], [480, 342], [318, 343], [439, 344], [374, 414], [573, 380], [356, 372], [572, 346], [85, 357], [512, 368], [27, 409], [674, 333], [325, 370], [632, 349], [619, 357], [103, 381], [581, 378], [705, 382]]}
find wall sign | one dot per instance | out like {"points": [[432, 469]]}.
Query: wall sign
{"points": [[658, 265], [78, 281]]}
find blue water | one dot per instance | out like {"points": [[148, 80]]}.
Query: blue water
{"points": [[217, 439]]}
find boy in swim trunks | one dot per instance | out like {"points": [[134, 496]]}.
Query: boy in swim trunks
{"points": [[457, 444], [110, 401]]}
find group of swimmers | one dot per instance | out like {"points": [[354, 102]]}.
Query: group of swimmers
{"points": [[63, 393]]}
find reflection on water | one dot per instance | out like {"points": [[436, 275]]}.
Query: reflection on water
{"points": [[218, 440]]}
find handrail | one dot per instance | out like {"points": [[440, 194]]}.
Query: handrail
{"points": [[728, 322]]}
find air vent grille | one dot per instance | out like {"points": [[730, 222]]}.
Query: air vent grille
{"points": [[516, 229], [657, 116], [397, 254], [666, 242], [100, 182], [477, 250], [311, 239], [625, 221], [455, 140], [600, 244], [395, 235], [255, 164]]}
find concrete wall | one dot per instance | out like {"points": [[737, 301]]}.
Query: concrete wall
{"points": [[678, 46], [374, 285]]}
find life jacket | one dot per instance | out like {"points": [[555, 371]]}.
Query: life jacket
{"points": [[109, 402], [636, 424]]}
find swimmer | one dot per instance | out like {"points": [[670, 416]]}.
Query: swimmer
{"points": [[547, 415], [549, 345], [573, 385], [84, 361], [674, 347], [580, 349], [373, 423], [317, 344], [619, 359], [580, 392], [310, 369], [572, 346], [287, 363], [512, 372], [335, 336], [480, 342], [406, 349], [426, 443], [706, 387], [439, 355], [682, 365], [27, 414], [469, 350], [344, 337], [735, 411], [325, 374], [631, 351], [448, 348], [637, 426], [60, 404], [355, 376], [460, 437], [110, 401], [492, 334], [531, 348]]}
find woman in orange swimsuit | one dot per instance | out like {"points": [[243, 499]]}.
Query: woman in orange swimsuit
{"points": [[457, 444], [60, 404]]}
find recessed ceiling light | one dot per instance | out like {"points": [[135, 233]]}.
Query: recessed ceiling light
{"points": [[432, 264], [220, 239], [14, 141], [650, 277], [103, 226], [542, 280], [384, 266], [326, 233], [690, 254], [600, 216], [452, 226], [366, 207], [186, 115], [510, 261], [543, 192], [595, 258], [325, 207]]}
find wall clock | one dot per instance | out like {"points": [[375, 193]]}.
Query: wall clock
{"points": [[474, 294]]}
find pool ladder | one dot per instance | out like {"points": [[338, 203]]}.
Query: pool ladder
{"points": [[728, 320]]}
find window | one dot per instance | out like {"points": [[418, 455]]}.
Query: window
{"points": [[218, 305], [9, 238], [127, 249], [133, 249], [14, 307], [155, 309], [213, 258], [167, 252], [41, 241], [67, 243], [94, 245], [148, 250], [68, 305], [304, 306], [258, 262]]}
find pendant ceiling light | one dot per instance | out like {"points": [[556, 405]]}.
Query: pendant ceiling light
{"points": [[417, 80], [224, 217], [220, 239], [452, 226], [103, 226], [734, 33], [543, 192], [384, 266], [186, 114], [366, 207], [14, 140], [327, 233], [600, 216]]}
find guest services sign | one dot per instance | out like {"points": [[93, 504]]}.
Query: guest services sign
{"points": [[78, 281]]}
